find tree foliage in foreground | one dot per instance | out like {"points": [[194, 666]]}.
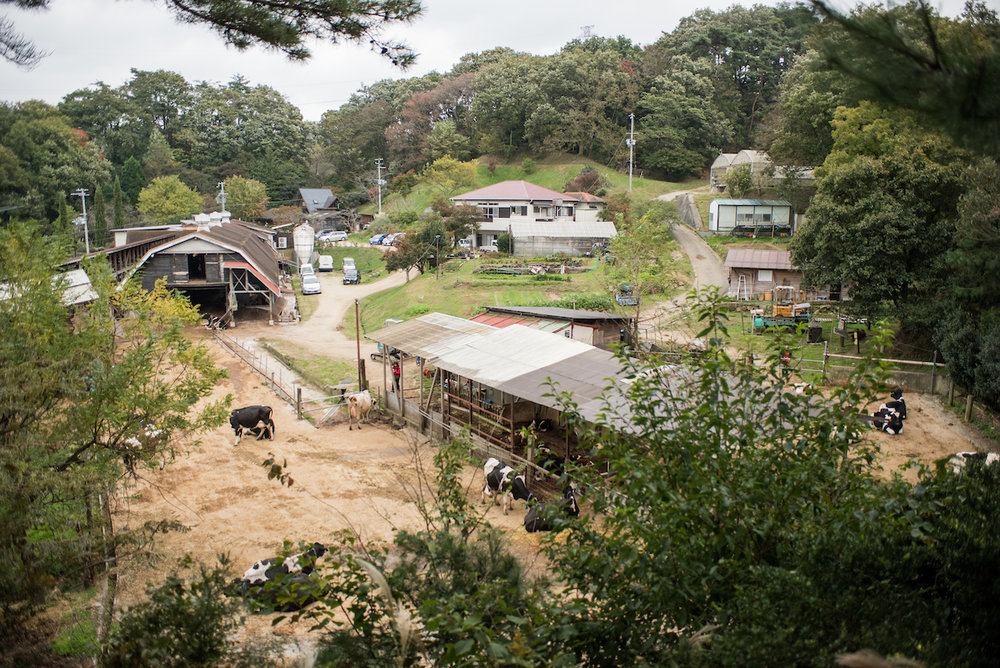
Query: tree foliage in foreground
{"points": [[279, 24], [77, 384]]}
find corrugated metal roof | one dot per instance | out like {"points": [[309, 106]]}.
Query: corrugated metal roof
{"points": [[429, 334], [517, 360], [599, 229], [757, 258], [576, 315], [501, 321], [750, 202], [514, 190]]}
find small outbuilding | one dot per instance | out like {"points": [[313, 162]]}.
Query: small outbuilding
{"points": [[750, 217], [602, 330]]}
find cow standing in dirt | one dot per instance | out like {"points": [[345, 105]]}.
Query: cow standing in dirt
{"points": [[359, 404]]}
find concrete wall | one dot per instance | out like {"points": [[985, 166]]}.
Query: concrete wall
{"points": [[910, 381], [687, 211]]}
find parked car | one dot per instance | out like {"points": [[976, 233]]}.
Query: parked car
{"points": [[398, 238], [306, 269], [351, 276], [465, 244], [337, 235], [323, 234], [325, 263], [311, 285], [491, 248], [349, 264], [376, 240], [388, 239]]}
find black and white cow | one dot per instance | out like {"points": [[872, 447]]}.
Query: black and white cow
{"points": [[897, 404], [254, 419], [887, 419], [958, 460], [501, 480], [285, 584], [544, 516]]}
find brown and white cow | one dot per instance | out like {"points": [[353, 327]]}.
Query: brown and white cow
{"points": [[359, 404]]}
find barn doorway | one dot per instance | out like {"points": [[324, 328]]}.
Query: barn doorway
{"points": [[196, 266]]}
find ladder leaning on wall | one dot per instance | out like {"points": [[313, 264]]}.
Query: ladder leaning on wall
{"points": [[742, 290]]}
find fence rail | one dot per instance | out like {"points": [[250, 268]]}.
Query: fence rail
{"points": [[259, 363]]}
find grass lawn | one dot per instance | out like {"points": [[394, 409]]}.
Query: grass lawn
{"points": [[460, 292], [552, 172], [369, 260], [317, 369]]}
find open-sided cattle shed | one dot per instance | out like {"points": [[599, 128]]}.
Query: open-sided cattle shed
{"points": [[495, 380]]}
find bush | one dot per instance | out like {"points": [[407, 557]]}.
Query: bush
{"points": [[528, 166], [505, 244]]}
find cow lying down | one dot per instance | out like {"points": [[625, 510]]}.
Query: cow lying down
{"points": [[547, 516], [285, 584], [958, 461]]}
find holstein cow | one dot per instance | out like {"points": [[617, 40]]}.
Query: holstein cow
{"points": [[898, 404], [958, 460], [285, 584], [887, 419], [359, 404], [253, 419], [543, 516], [500, 479]]}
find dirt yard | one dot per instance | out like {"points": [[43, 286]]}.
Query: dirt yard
{"points": [[364, 480]]}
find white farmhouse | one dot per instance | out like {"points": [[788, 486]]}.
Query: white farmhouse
{"points": [[540, 221]]}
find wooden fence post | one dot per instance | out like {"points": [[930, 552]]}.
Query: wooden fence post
{"points": [[968, 407], [298, 402], [934, 372]]}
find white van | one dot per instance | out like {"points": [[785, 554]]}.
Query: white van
{"points": [[306, 269], [325, 263]]}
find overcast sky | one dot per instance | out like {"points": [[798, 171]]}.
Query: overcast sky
{"points": [[100, 40]]}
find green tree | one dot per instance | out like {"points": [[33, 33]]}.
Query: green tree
{"points": [[881, 219], [245, 198], [748, 50], [448, 176], [912, 58], [132, 180], [100, 231], [680, 126], [159, 158], [119, 204], [739, 181], [286, 26], [167, 200], [46, 155], [445, 140], [97, 381]]}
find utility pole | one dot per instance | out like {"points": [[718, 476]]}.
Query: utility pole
{"points": [[221, 199], [631, 147], [437, 256], [378, 164], [82, 192]]}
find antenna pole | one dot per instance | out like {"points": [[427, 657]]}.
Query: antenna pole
{"points": [[378, 164], [82, 192], [631, 146]]}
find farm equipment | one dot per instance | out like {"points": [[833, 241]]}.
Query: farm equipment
{"points": [[625, 296], [785, 314]]}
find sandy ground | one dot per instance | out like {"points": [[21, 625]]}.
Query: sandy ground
{"points": [[364, 480]]}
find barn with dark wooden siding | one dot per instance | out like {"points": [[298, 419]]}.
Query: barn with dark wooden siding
{"points": [[223, 266]]}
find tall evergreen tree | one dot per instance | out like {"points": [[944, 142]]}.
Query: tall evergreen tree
{"points": [[133, 180], [119, 204], [100, 232]]}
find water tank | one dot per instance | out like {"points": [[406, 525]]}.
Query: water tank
{"points": [[303, 239]]}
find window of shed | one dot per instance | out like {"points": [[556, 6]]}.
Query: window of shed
{"points": [[765, 275]]}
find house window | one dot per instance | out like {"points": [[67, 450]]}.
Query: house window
{"points": [[282, 242], [765, 275]]}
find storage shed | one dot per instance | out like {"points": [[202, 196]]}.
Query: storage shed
{"points": [[767, 217]]}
